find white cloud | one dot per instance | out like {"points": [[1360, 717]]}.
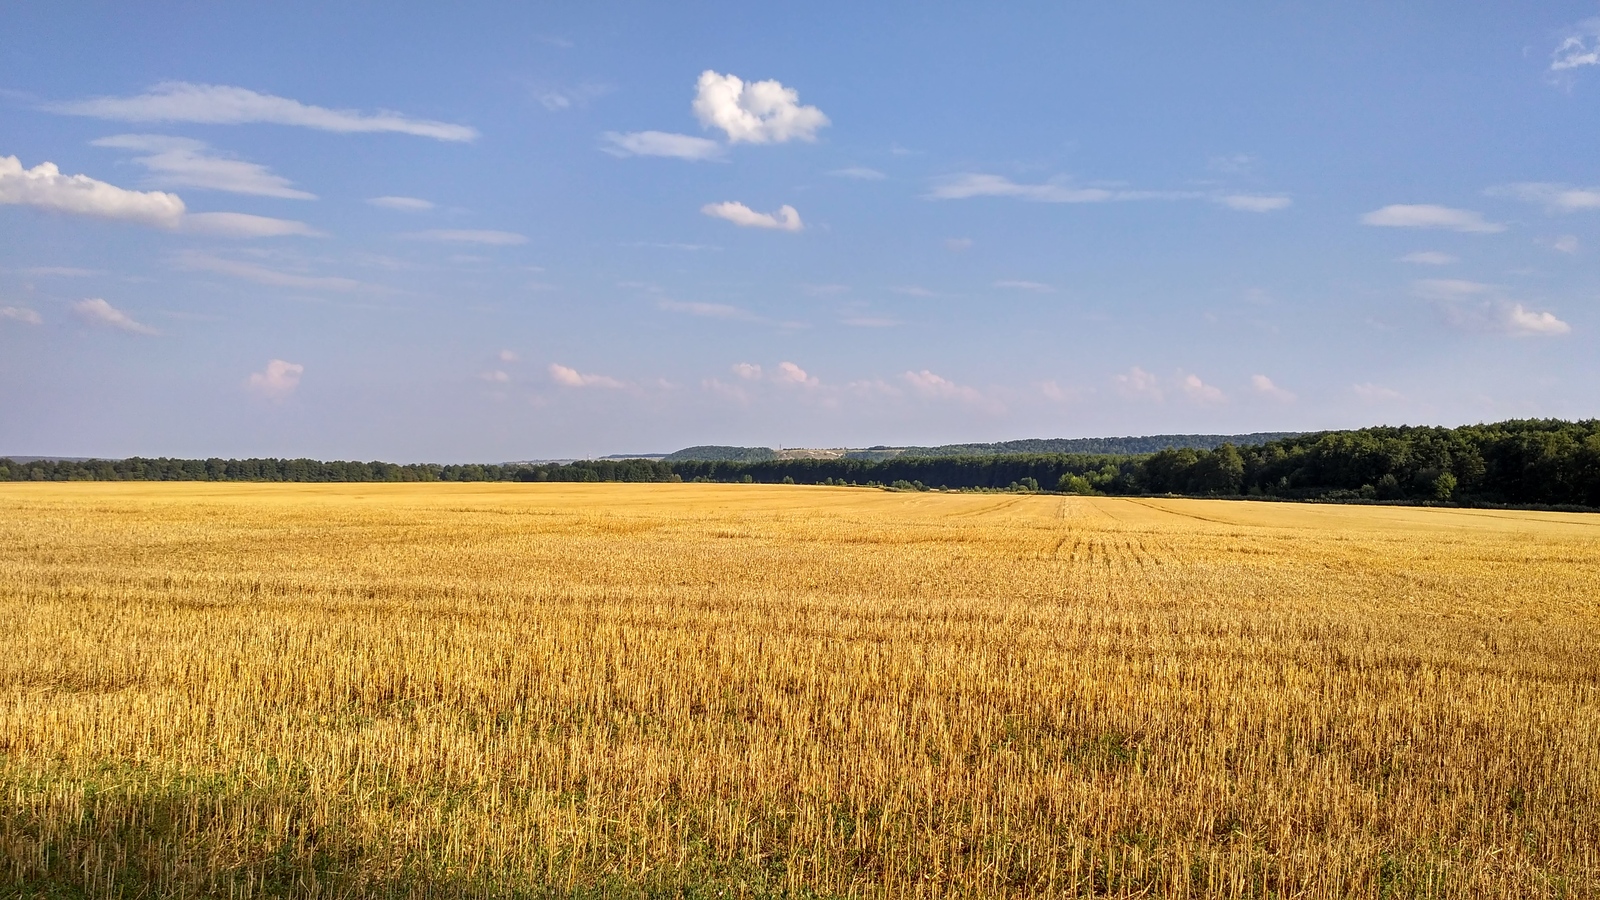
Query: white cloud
{"points": [[1199, 391], [20, 314], [709, 310], [1137, 384], [403, 204], [59, 271], [1054, 392], [1449, 288], [1035, 286], [672, 245], [495, 376], [244, 225], [958, 245], [1427, 215], [1567, 243], [96, 311], [1429, 258], [789, 373], [1232, 163], [557, 99], [1579, 48], [938, 387], [825, 290], [661, 143], [860, 173], [569, 377], [1375, 393], [967, 185], [277, 381], [214, 104], [508, 356], [785, 219], [469, 236], [1265, 387], [205, 262], [1475, 306], [747, 371], [1522, 322], [758, 112], [185, 162], [1257, 203], [44, 187], [1553, 197]]}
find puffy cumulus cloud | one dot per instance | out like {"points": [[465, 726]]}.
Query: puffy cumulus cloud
{"points": [[1475, 306], [1428, 215], [1579, 48], [572, 378], [277, 381], [215, 104], [185, 162], [1137, 384], [1256, 203], [508, 356], [1200, 392], [97, 312], [402, 204], [469, 236], [789, 373], [1429, 258], [785, 219], [1057, 393], [244, 225], [1375, 393], [757, 112], [747, 371], [20, 314], [1553, 197], [931, 385], [1266, 388], [44, 187], [1521, 322], [661, 143]]}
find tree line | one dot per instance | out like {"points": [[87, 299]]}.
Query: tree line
{"points": [[1541, 462]]}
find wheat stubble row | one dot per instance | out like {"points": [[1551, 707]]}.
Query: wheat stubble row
{"points": [[686, 690]]}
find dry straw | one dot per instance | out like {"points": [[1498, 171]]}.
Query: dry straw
{"points": [[703, 690]]}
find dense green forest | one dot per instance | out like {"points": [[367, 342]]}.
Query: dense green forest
{"points": [[1525, 462]]}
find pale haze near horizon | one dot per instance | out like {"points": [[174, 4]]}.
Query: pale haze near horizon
{"points": [[505, 233]]}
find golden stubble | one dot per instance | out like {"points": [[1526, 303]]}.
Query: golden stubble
{"points": [[450, 690]]}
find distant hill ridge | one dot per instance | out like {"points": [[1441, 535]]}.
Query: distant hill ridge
{"points": [[1109, 445]]}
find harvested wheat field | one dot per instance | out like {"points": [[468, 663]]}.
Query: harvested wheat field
{"points": [[705, 690]]}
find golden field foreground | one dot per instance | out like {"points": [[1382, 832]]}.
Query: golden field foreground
{"points": [[726, 690]]}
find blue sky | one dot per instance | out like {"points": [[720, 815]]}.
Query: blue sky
{"points": [[507, 232]]}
